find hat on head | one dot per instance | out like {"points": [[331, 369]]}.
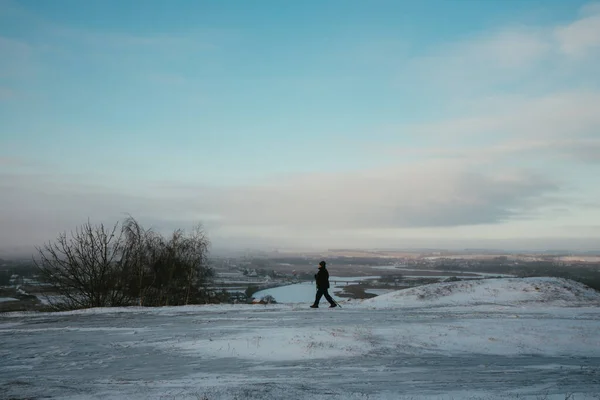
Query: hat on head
{"points": [[322, 263]]}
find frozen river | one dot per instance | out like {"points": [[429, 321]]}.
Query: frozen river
{"points": [[305, 292]]}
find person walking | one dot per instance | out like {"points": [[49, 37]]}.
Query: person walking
{"points": [[322, 279]]}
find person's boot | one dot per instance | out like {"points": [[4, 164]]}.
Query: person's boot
{"points": [[333, 305], [314, 306]]}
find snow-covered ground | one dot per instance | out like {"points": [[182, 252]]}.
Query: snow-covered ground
{"points": [[506, 338], [7, 299], [506, 291]]}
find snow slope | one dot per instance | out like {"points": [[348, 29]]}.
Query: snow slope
{"points": [[7, 299], [502, 291], [404, 345]]}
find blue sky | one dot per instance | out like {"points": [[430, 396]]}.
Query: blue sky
{"points": [[304, 124]]}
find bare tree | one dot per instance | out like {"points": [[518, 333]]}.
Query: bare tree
{"points": [[138, 253], [180, 269], [99, 267], [84, 268]]}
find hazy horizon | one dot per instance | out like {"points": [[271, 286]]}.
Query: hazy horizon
{"points": [[582, 246], [304, 125]]}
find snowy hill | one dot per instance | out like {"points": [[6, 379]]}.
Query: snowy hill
{"points": [[504, 291]]}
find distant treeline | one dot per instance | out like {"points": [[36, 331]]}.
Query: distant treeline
{"points": [[586, 273], [5, 277], [20, 268]]}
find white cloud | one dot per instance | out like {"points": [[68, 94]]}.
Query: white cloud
{"points": [[579, 37], [480, 62], [590, 9], [419, 195], [516, 48], [553, 117], [568, 150], [532, 57]]}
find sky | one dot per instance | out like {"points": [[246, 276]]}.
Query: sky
{"points": [[304, 124]]}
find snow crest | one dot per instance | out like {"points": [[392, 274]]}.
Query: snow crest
{"points": [[7, 299], [502, 291]]}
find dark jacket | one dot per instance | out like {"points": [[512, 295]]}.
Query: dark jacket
{"points": [[322, 278]]}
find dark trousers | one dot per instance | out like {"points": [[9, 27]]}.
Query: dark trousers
{"points": [[321, 293]]}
